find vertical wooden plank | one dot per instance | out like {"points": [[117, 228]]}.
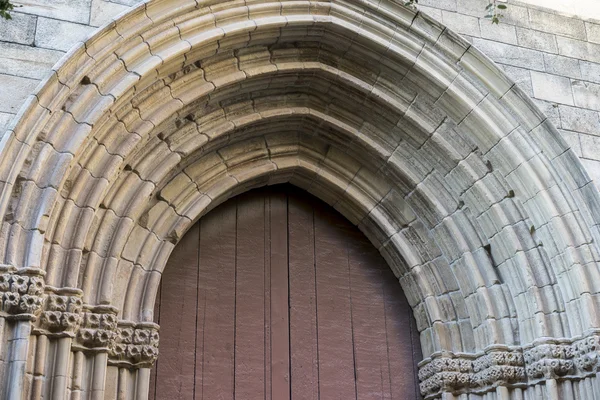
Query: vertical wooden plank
{"points": [[200, 323], [216, 324], [178, 301], [400, 331], [334, 314], [373, 379], [303, 306], [249, 312], [152, 394], [267, 299], [280, 336]]}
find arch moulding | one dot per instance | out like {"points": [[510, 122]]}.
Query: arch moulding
{"points": [[479, 207]]}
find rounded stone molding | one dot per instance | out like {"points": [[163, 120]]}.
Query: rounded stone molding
{"points": [[464, 186]]}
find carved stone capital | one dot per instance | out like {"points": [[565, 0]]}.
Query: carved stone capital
{"points": [[498, 367], [98, 329], [136, 345], [446, 374], [94, 328], [515, 366], [61, 314], [21, 292], [467, 372], [549, 361]]}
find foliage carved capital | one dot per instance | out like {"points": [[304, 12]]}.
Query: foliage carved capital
{"points": [[21, 292], [135, 345], [514, 366]]}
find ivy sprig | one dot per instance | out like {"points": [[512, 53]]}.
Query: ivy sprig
{"points": [[5, 8], [491, 10], [493, 13]]}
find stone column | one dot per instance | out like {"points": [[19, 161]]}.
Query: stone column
{"points": [[95, 338], [135, 350], [21, 298], [58, 325]]}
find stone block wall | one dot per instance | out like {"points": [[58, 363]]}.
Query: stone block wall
{"points": [[39, 34], [555, 58]]}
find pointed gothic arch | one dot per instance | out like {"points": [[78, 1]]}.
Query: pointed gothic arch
{"points": [[479, 207]]}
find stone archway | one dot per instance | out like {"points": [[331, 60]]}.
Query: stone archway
{"points": [[454, 175]]}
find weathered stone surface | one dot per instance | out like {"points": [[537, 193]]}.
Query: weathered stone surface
{"points": [[103, 11], [469, 7], [511, 55], [587, 95], [434, 13], [449, 5], [13, 91], [573, 140], [25, 61], [516, 15], [60, 35], [578, 49], [498, 32], [576, 119], [4, 120], [593, 169], [590, 146], [557, 24], [552, 88], [593, 32], [67, 10], [564, 66], [460, 23], [126, 2], [550, 110], [20, 29], [590, 71], [537, 40], [521, 76]]}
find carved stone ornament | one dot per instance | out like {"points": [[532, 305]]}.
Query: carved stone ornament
{"points": [[21, 292], [136, 345], [505, 366], [62, 313], [550, 361], [98, 329]]}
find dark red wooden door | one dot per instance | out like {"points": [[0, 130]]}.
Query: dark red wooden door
{"points": [[274, 295]]}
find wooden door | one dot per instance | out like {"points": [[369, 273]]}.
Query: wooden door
{"points": [[274, 295]]}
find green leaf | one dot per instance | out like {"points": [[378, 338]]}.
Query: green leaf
{"points": [[5, 7], [501, 7]]}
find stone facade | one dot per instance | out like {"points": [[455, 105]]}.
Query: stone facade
{"points": [[478, 203]]}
